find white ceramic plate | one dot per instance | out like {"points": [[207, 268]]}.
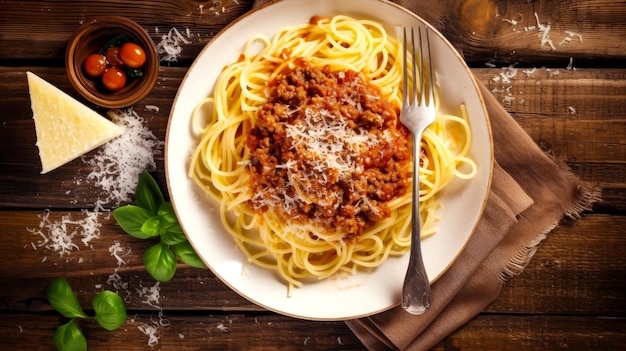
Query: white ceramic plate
{"points": [[343, 297]]}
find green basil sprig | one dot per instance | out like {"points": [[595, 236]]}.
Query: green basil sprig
{"points": [[153, 217], [109, 309]]}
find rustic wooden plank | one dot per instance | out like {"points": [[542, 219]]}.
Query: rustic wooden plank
{"points": [[585, 264], [522, 332], [548, 31], [239, 331], [576, 265], [485, 31], [50, 24], [215, 331]]}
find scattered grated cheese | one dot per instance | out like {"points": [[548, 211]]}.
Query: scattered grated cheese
{"points": [[115, 250], [514, 22], [118, 163], [552, 72], [508, 100], [120, 286], [152, 108], [565, 40], [58, 236], [151, 331], [151, 294], [169, 47], [222, 327], [571, 34], [571, 110], [544, 31]]}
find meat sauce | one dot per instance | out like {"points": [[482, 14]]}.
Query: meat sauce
{"points": [[327, 149]]}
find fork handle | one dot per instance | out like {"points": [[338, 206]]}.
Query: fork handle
{"points": [[416, 288]]}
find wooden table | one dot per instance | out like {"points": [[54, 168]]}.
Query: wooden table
{"points": [[570, 98]]}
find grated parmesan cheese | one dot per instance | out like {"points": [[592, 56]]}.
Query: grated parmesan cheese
{"points": [[151, 294], [169, 47], [571, 34], [152, 108], [222, 327], [117, 164], [152, 330], [58, 236], [544, 31], [515, 21], [115, 250]]}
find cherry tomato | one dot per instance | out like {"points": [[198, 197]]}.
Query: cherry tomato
{"points": [[113, 78], [113, 56], [132, 55], [94, 65]]}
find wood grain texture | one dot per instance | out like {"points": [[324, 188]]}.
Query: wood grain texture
{"points": [[483, 30], [569, 96], [577, 257]]}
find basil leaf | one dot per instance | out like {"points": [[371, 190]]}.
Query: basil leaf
{"points": [[187, 255], [110, 310], [160, 262], [152, 226], [173, 235], [133, 72], [63, 299], [148, 195], [131, 218], [175, 228], [166, 211], [69, 338]]}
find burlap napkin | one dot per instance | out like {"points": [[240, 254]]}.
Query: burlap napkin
{"points": [[530, 193]]}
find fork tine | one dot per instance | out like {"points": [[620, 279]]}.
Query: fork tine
{"points": [[405, 71], [420, 53], [413, 67], [425, 63], [412, 90]]}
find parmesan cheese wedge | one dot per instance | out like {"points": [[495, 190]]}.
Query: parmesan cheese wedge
{"points": [[66, 129]]}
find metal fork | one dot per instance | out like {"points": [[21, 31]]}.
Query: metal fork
{"points": [[417, 115]]}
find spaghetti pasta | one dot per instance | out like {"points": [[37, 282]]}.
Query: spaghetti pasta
{"points": [[301, 145]]}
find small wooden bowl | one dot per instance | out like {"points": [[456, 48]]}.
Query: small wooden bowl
{"points": [[88, 39]]}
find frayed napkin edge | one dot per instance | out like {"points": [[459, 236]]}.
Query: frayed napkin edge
{"points": [[587, 196]]}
